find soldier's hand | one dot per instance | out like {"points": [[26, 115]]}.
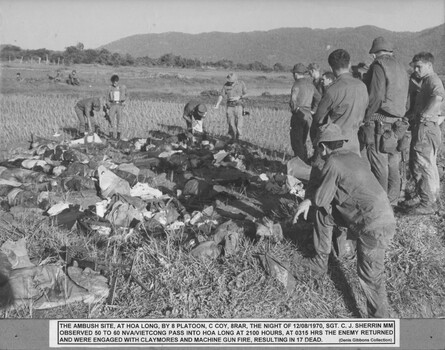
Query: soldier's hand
{"points": [[303, 208]]}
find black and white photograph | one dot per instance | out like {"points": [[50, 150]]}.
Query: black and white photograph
{"points": [[222, 174]]}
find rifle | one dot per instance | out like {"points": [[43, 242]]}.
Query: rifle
{"points": [[403, 163], [404, 149], [106, 110]]}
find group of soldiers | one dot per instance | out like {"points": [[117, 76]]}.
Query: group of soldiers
{"points": [[359, 129], [112, 107], [359, 125]]}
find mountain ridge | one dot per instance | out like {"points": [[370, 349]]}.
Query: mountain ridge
{"points": [[282, 45]]}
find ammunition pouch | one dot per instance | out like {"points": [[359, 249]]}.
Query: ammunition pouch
{"points": [[404, 142], [366, 134], [400, 127], [388, 142]]}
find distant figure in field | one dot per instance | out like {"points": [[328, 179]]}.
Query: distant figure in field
{"points": [[194, 113], [18, 77], [117, 95], [303, 103], [235, 90], [314, 72], [327, 79], [85, 110], [73, 79], [57, 78]]}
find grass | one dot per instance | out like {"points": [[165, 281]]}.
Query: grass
{"points": [[23, 116], [176, 284]]}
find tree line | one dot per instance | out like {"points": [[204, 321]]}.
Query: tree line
{"points": [[78, 54]]}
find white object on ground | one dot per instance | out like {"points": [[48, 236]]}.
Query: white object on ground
{"points": [[101, 208], [58, 208], [90, 139], [145, 192], [110, 183], [31, 163]]}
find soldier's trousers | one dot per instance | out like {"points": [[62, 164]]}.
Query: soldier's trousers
{"points": [[116, 116], [371, 247], [235, 120], [84, 120], [386, 169], [300, 125], [426, 139]]}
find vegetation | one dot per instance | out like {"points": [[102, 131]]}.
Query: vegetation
{"points": [[287, 46], [77, 54]]}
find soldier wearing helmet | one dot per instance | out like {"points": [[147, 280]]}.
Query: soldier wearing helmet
{"points": [[387, 83]]}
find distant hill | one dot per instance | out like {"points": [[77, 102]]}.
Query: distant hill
{"points": [[285, 45]]}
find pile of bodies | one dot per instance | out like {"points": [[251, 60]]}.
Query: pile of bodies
{"points": [[207, 194]]}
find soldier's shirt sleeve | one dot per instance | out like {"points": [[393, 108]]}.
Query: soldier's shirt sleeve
{"points": [[293, 97], [315, 99], [323, 110], [89, 106], [320, 116], [188, 109], [437, 88], [243, 88], [328, 187], [376, 89]]}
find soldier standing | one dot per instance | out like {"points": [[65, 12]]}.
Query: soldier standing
{"points": [[303, 102], [344, 103], [387, 83], [426, 135], [235, 90], [117, 95]]}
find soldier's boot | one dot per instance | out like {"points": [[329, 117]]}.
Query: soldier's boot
{"points": [[118, 135], [97, 129], [87, 130]]}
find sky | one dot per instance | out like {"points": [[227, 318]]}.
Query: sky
{"points": [[56, 24]]}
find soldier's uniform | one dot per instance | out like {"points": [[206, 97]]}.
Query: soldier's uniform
{"points": [[387, 82], [344, 103], [426, 141], [349, 195], [304, 99], [195, 112], [117, 95], [85, 113], [234, 90]]}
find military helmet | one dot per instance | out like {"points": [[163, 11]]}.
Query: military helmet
{"points": [[381, 44]]}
